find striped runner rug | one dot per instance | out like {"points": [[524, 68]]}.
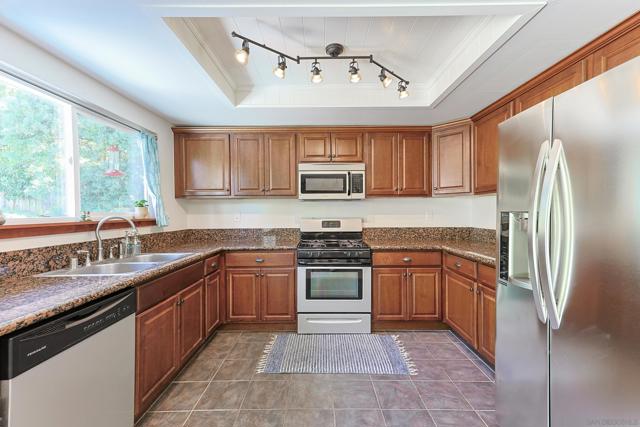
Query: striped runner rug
{"points": [[335, 354]]}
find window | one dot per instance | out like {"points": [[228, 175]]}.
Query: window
{"points": [[57, 160]]}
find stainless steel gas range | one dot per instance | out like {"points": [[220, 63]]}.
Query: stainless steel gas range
{"points": [[334, 277]]}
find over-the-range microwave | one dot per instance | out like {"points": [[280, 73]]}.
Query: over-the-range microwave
{"points": [[330, 181]]}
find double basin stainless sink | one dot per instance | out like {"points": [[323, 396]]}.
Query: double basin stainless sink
{"points": [[119, 267]]}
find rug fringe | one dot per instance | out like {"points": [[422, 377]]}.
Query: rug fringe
{"points": [[405, 355], [262, 364]]}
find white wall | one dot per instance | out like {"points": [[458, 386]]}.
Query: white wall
{"points": [[460, 211], [29, 58]]}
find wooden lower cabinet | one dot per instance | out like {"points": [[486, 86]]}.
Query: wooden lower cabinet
{"points": [[486, 317], [460, 305], [191, 304], [266, 294], [277, 295], [212, 302], [406, 293]]}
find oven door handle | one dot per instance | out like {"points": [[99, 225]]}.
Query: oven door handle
{"points": [[333, 321], [349, 184]]}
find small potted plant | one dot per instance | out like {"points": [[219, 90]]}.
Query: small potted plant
{"points": [[141, 209]]}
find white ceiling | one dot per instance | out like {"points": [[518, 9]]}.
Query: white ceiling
{"points": [[128, 45]]}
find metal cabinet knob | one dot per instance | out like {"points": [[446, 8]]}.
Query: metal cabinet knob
{"points": [[458, 265], [257, 274], [406, 259], [471, 289], [214, 265], [404, 274], [259, 260]]}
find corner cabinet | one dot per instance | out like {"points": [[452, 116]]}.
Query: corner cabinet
{"points": [[485, 149], [451, 154], [397, 163], [201, 164]]}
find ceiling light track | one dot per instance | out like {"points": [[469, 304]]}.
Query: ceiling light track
{"points": [[334, 51]]}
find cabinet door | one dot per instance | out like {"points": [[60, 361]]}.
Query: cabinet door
{"points": [[346, 147], [277, 294], [191, 319], [617, 52], [280, 164], [459, 306], [485, 149], [423, 291], [389, 293], [212, 298], [414, 171], [382, 163], [247, 164], [452, 159], [487, 322], [201, 164], [243, 295], [314, 147], [554, 85], [157, 356]]}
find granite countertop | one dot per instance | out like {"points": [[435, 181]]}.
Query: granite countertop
{"points": [[25, 300], [482, 252]]}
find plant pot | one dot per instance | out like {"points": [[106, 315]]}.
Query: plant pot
{"points": [[141, 213]]}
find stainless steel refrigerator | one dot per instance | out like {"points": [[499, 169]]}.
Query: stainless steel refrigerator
{"points": [[568, 316]]}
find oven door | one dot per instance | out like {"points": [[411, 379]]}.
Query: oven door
{"points": [[323, 185], [326, 289]]}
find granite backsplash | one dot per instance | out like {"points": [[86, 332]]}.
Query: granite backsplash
{"points": [[38, 260]]}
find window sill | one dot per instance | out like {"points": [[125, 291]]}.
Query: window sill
{"points": [[44, 229]]}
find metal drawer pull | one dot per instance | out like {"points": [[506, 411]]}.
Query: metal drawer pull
{"points": [[471, 289], [406, 259], [457, 264], [259, 260], [214, 265]]}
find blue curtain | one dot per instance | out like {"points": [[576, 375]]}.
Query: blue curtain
{"points": [[149, 143]]}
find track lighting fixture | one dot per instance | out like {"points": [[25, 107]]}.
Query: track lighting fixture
{"points": [[242, 54], [282, 65], [386, 80], [354, 72], [333, 50], [402, 89], [316, 77]]}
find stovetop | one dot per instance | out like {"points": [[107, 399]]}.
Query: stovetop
{"points": [[333, 249], [332, 244]]}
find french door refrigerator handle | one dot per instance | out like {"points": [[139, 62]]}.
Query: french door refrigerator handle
{"points": [[532, 232], [556, 284]]}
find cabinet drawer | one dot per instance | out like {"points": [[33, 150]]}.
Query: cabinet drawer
{"points": [[461, 265], [260, 259], [487, 275], [212, 264], [425, 258], [160, 289]]}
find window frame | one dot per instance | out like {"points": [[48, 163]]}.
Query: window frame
{"points": [[72, 107]]}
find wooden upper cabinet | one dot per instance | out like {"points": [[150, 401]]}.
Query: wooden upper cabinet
{"points": [[389, 293], [485, 149], [413, 170], [560, 82], [314, 147], [347, 147], [280, 164], [201, 163], [423, 293], [620, 50], [247, 164], [451, 154], [382, 163], [277, 294]]}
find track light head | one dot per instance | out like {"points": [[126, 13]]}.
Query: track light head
{"points": [[282, 65], [242, 54], [402, 89], [384, 79], [316, 77], [354, 72]]}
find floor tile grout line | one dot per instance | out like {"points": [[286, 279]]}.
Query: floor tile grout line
{"points": [[375, 392], [469, 403]]}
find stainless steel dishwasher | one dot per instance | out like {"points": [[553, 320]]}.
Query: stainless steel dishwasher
{"points": [[76, 370]]}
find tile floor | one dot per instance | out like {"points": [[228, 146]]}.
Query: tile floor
{"points": [[220, 388]]}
